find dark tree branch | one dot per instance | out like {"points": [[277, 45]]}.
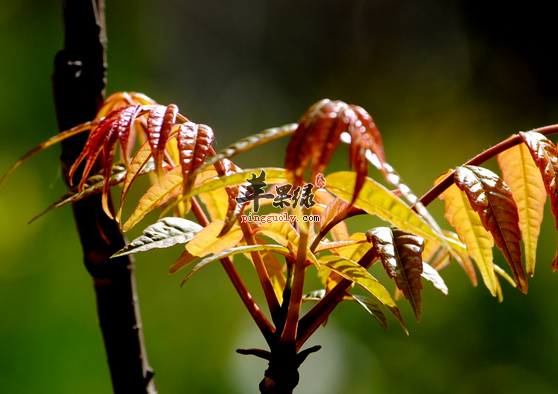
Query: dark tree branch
{"points": [[79, 82]]}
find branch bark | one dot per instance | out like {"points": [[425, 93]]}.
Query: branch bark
{"points": [[79, 83]]}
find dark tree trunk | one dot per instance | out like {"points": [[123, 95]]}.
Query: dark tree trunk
{"points": [[79, 84]]}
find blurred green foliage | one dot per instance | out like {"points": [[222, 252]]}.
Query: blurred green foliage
{"points": [[443, 80]]}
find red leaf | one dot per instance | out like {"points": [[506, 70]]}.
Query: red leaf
{"points": [[123, 125], [194, 142], [94, 145], [159, 125], [491, 198], [400, 253]]}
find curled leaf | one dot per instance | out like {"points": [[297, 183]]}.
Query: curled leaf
{"points": [[492, 199], [194, 142], [400, 253], [164, 233]]}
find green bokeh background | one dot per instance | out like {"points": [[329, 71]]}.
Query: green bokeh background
{"points": [[443, 80]]}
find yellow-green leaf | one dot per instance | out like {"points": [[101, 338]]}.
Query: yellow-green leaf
{"points": [[207, 242], [493, 201], [375, 199], [159, 194], [352, 271], [522, 175], [471, 232], [231, 252]]}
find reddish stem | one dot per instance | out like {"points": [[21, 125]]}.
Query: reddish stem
{"points": [[433, 193], [263, 324]]}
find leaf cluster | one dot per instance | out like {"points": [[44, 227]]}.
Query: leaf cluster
{"points": [[187, 175]]}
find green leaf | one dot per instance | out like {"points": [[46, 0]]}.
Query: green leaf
{"points": [[164, 233]]}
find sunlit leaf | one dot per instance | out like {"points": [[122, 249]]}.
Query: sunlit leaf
{"points": [[504, 275], [316, 137], [206, 242], [400, 253], [471, 232], [521, 174], [194, 141], [545, 155], [159, 124], [139, 160], [159, 194], [164, 233], [356, 251], [431, 275], [286, 235], [492, 199], [461, 250], [375, 199], [231, 252], [216, 202]]}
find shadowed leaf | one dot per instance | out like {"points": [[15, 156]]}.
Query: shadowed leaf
{"points": [[471, 232], [352, 271], [545, 155], [492, 199], [373, 308], [521, 174], [164, 233], [93, 185], [206, 242], [400, 253]]}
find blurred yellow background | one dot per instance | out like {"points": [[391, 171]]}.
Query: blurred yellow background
{"points": [[443, 80]]}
